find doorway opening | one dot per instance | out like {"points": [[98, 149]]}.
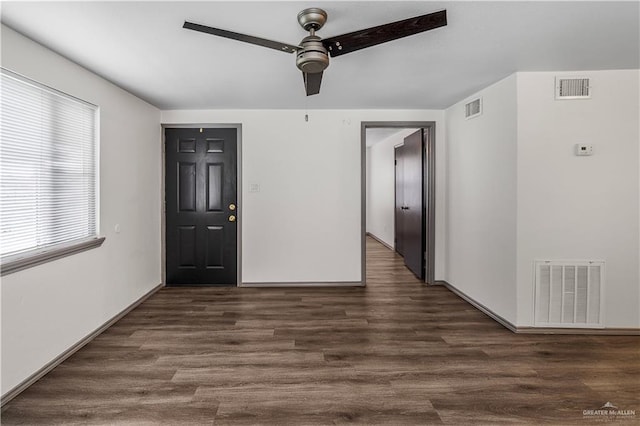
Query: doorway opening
{"points": [[398, 202]]}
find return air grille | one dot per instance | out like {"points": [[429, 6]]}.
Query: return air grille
{"points": [[569, 294], [473, 108], [572, 88]]}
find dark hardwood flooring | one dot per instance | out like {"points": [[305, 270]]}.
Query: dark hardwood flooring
{"points": [[396, 352]]}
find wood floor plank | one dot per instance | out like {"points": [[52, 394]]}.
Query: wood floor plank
{"points": [[396, 352]]}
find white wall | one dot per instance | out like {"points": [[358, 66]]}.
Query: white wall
{"points": [[517, 193], [305, 223], [49, 308], [481, 199], [573, 207], [381, 187]]}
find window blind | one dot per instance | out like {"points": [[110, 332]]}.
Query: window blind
{"points": [[47, 167]]}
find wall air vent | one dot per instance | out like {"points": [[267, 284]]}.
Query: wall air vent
{"points": [[572, 88], [569, 294], [473, 108]]}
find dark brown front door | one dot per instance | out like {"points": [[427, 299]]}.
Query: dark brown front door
{"points": [[201, 200], [410, 224]]}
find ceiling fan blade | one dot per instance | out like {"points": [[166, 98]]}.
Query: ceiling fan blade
{"points": [[312, 82], [357, 40], [283, 47]]}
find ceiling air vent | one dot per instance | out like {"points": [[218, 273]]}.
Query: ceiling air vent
{"points": [[473, 108], [572, 88]]}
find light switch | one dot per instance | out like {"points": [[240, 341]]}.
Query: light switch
{"points": [[254, 187], [117, 228], [583, 149]]}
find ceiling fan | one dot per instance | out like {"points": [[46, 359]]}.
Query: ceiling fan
{"points": [[312, 54]]}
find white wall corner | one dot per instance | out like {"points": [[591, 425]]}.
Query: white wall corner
{"points": [[481, 199]]}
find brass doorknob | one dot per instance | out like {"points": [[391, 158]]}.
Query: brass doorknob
{"points": [[232, 218], [232, 207]]}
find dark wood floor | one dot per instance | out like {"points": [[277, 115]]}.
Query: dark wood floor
{"points": [[396, 352]]}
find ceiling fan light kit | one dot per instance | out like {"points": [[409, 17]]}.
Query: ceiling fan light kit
{"points": [[313, 52]]}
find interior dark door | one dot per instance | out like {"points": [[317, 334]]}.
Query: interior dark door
{"points": [[201, 213], [399, 203], [412, 210]]}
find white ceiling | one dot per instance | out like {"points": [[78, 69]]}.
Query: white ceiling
{"points": [[142, 47]]}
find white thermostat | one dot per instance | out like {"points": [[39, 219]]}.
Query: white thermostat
{"points": [[583, 149]]}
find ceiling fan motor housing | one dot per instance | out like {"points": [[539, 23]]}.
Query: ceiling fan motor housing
{"points": [[313, 57]]}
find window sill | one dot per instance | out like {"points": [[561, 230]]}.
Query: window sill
{"points": [[21, 261]]}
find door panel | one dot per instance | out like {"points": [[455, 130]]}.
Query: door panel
{"points": [[201, 180], [413, 201], [214, 187], [215, 247], [187, 145], [215, 145], [410, 229], [186, 246]]}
